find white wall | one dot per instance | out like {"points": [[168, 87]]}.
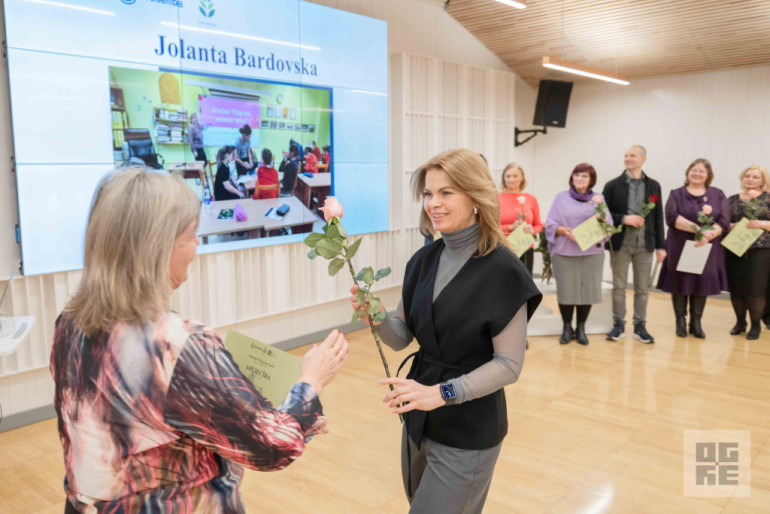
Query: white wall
{"points": [[723, 116], [271, 293]]}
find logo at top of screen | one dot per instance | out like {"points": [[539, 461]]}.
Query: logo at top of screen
{"points": [[207, 8], [128, 2]]}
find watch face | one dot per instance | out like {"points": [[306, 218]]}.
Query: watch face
{"points": [[447, 391]]}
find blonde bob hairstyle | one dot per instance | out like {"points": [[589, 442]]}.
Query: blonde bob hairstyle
{"points": [[511, 166], [135, 218], [762, 171], [468, 173]]}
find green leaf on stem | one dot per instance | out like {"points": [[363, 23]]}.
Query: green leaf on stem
{"points": [[361, 297], [352, 249], [312, 239], [335, 266], [343, 233], [333, 234], [312, 254], [366, 275], [379, 316], [374, 306], [384, 272], [357, 315], [328, 249]]}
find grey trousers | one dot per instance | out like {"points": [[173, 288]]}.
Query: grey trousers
{"points": [[446, 480], [641, 260]]}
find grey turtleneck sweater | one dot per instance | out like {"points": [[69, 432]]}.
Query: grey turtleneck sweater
{"points": [[509, 344]]}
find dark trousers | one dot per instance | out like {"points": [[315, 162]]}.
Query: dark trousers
{"points": [[200, 155], [69, 509]]}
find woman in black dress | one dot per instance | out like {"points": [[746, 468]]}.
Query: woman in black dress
{"points": [[748, 275]]}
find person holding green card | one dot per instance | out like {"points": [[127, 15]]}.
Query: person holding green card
{"points": [[154, 414], [748, 276], [578, 273]]}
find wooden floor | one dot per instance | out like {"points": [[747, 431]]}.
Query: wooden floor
{"points": [[592, 429]]}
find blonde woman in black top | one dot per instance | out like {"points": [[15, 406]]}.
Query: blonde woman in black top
{"points": [[748, 276]]}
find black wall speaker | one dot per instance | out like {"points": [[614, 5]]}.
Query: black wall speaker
{"points": [[552, 102]]}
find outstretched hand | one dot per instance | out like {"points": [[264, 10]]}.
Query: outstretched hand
{"points": [[324, 360]]}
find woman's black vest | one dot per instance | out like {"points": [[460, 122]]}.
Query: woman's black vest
{"points": [[455, 336]]}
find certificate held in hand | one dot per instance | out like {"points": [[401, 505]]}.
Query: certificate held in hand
{"points": [[272, 371], [589, 233], [741, 238], [520, 240], [693, 258]]}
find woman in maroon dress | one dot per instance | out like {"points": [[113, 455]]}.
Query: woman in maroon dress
{"points": [[682, 210]]}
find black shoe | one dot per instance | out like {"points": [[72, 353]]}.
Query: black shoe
{"points": [[640, 332], [618, 331], [696, 329], [739, 328], [580, 334], [681, 326], [756, 328], [567, 334], [767, 322]]}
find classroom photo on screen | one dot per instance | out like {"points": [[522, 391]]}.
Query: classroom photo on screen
{"points": [[257, 153]]}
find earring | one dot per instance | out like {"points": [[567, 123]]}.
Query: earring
{"points": [[475, 210]]}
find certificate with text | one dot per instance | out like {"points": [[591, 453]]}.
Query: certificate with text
{"points": [[589, 233], [520, 240], [272, 371], [741, 238]]}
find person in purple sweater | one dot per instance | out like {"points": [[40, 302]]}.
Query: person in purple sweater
{"points": [[681, 213], [578, 273]]}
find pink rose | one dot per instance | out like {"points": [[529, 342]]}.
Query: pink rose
{"points": [[597, 199], [754, 194], [332, 209], [706, 209]]}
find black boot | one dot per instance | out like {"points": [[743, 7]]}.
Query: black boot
{"points": [[739, 328], [567, 334], [680, 310], [753, 333], [580, 334], [697, 305]]}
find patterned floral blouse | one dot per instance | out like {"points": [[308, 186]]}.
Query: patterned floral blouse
{"points": [[738, 210], [159, 418]]}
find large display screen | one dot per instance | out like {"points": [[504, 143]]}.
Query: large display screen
{"points": [[265, 106]]}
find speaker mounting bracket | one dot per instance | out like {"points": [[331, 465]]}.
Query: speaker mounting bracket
{"points": [[532, 133]]}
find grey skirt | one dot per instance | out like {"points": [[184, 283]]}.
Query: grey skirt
{"points": [[578, 279]]}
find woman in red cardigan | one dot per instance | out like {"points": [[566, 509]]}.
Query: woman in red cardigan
{"points": [[517, 207]]}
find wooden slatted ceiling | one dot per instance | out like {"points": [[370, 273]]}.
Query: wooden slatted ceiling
{"points": [[635, 38]]}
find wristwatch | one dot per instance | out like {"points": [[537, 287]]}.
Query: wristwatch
{"points": [[447, 391]]}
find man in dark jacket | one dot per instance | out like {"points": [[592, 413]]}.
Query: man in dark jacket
{"points": [[626, 197]]}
